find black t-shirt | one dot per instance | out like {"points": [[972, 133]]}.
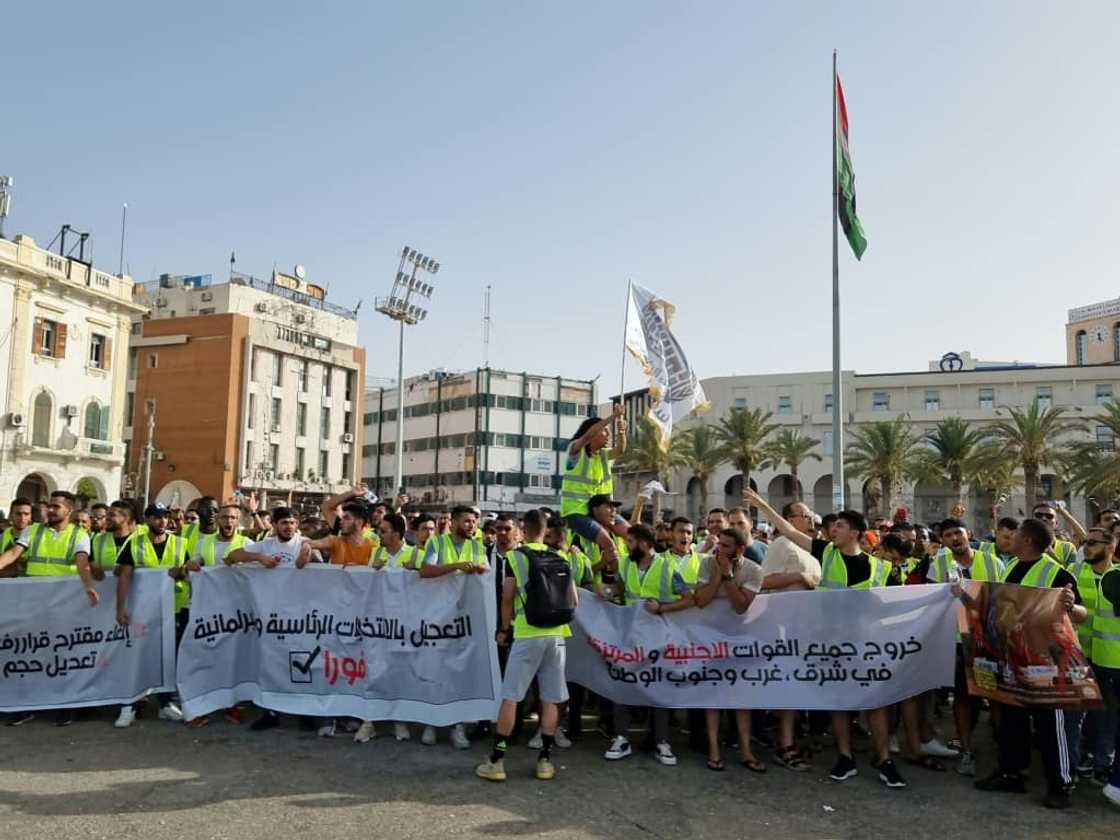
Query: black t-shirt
{"points": [[1020, 569], [1110, 586], [124, 555], [858, 565], [127, 559]]}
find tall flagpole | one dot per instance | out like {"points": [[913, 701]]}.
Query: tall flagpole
{"points": [[838, 483], [625, 329]]}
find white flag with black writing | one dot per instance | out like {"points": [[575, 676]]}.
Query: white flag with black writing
{"points": [[675, 390]]}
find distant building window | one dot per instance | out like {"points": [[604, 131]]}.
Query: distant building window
{"points": [[301, 419], [987, 398], [299, 462], [96, 425], [828, 403], [740, 402], [133, 363], [785, 405], [248, 455], [277, 369], [328, 373], [324, 463], [346, 466], [324, 423], [252, 410], [933, 400], [304, 365], [48, 335], [97, 351], [1105, 439], [1080, 347], [274, 457], [826, 443], [880, 401], [277, 410], [1045, 396], [349, 386], [153, 361], [1116, 342], [1104, 394], [41, 420]]}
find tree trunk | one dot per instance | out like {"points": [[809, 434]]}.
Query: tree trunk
{"points": [[796, 482], [703, 497], [885, 487], [955, 480], [1030, 487]]}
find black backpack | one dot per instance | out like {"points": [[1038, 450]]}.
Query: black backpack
{"points": [[550, 591]]}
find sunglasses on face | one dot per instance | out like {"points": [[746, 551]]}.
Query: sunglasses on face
{"points": [[1043, 515], [1090, 542]]}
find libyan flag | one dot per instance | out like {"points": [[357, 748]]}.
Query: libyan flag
{"points": [[846, 179]]}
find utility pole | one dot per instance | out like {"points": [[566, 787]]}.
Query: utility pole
{"points": [[149, 451]]}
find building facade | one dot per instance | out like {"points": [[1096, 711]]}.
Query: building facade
{"points": [[963, 387], [1093, 334], [255, 386], [488, 437], [64, 327]]}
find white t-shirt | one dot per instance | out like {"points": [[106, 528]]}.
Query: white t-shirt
{"points": [[288, 552], [747, 575], [786, 557]]}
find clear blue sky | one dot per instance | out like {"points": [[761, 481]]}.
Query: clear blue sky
{"points": [[553, 150]]}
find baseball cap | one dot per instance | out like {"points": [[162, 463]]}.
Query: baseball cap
{"points": [[602, 499], [156, 509]]}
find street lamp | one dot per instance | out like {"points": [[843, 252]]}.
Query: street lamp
{"points": [[400, 307]]}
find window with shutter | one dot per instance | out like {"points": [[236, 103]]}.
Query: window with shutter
{"points": [[60, 342]]}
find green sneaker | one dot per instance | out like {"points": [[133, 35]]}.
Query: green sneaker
{"points": [[545, 769], [493, 771]]}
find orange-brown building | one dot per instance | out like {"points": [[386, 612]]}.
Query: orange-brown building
{"points": [[255, 386]]}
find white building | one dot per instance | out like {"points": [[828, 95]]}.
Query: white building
{"points": [[956, 386], [63, 336], [488, 437]]}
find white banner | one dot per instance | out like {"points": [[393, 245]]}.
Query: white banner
{"points": [[348, 642], [56, 651], [674, 389], [831, 650]]}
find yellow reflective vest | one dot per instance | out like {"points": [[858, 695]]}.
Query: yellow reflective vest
{"points": [[50, 553]]}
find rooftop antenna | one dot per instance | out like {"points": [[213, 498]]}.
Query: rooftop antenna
{"points": [[5, 200], [486, 329], [124, 221]]}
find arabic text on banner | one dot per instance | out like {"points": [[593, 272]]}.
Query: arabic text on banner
{"points": [[57, 652], [348, 642], [850, 649], [674, 388], [1021, 649]]}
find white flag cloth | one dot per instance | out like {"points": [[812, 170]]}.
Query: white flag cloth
{"points": [[674, 389]]}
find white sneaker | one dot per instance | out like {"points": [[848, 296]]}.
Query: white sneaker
{"points": [[619, 748], [562, 740], [428, 738], [967, 766], [365, 732], [665, 754], [459, 738], [125, 718], [937, 749], [326, 731], [400, 732], [895, 747], [171, 712], [535, 743], [1112, 794]]}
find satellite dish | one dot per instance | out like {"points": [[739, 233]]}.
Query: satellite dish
{"points": [[301, 272]]}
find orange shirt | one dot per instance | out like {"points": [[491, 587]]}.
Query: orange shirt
{"points": [[346, 553]]}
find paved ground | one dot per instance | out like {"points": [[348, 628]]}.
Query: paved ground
{"points": [[160, 780]]}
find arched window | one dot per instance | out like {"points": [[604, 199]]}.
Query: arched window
{"points": [[1080, 347], [41, 420], [92, 428], [1116, 341]]}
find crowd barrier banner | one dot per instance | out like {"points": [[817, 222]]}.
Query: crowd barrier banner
{"points": [[348, 642], [1021, 648], [57, 652], [831, 650]]}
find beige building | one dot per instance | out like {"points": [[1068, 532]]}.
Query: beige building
{"points": [[956, 386], [1093, 334], [64, 330]]}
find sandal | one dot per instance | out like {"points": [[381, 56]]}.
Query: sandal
{"points": [[791, 759], [927, 762], [716, 764], [753, 764]]}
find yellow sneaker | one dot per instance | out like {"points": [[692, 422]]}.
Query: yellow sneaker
{"points": [[493, 771], [545, 769]]}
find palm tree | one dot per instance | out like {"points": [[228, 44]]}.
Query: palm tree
{"points": [[1094, 467], [1031, 436], [644, 455], [955, 444], [744, 435], [701, 454], [887, 451], [791, 448]]}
